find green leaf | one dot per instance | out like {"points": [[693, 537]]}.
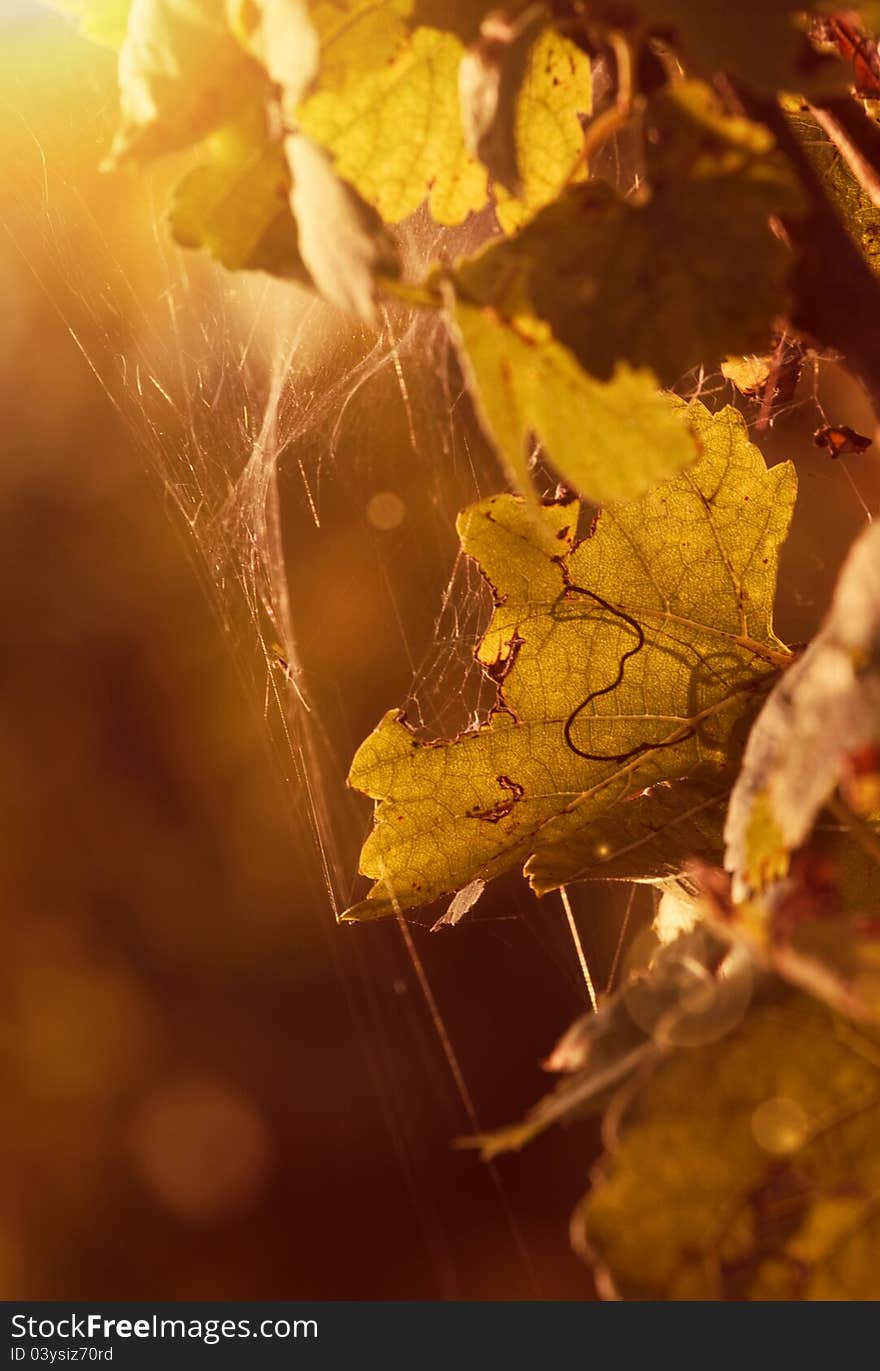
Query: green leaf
{"points": [[103, 21], [823, 713], [395, 131], [680, 281], [643, 646], [854, 206], [747, 1168], [182, 73], [235, 204]]}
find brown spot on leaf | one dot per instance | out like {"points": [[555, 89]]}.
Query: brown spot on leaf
{"points": [[501, 808]]}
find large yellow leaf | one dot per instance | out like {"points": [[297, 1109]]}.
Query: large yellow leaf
{"points": [[395, 132], [622, 660]]}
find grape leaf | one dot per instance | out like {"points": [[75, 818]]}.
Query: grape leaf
{"points": [[824, 711], [556, 91], [490, 78], [103, 21], [691, 990], [387, 107], [762, 41], [644, 838], [682, 280], [395, 132], [621, 661], [610, 440], [357, 37], [746, 1168], [182, 73], [280, 34], [235, 204], [854, 206], [342, 240]]}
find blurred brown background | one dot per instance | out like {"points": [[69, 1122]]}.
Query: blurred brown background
{"points": [[207, 1089]]}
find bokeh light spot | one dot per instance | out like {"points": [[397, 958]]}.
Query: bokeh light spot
{"points": [[780, 1126], [202, 1149], [386, 510]]}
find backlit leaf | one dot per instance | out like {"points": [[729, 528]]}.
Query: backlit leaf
{"points": [[342, 240], [622, 660], [854, 206], [681, 280], [395, 132], [555, 93], [182, 73], [610, 440], [823, 712], [490, 78], [235, 204], [747, 1168]]}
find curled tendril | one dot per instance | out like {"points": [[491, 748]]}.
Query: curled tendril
{"points": [[606, 690]]}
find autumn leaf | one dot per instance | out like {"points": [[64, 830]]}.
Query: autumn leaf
{"points": [[554, 96], [395, 132], [182, 73], [490, 78], [747, 1168], [690, 991], [643, 838], [854, 206], [683, 279], [389, 112], [610, 440], [342, 240], [623, 660], [761, 41], [358, 37], [824, 710], [235, 203]]}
